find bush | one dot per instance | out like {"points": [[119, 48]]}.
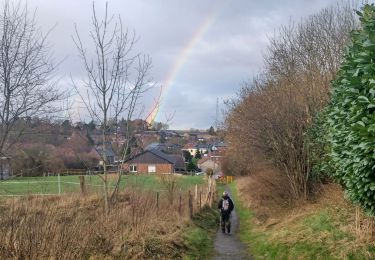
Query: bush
{"points": [[351, 121], [316, 142]]}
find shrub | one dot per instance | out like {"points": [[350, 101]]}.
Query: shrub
{"points": [[351, 121]]}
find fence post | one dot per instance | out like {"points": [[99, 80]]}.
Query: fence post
{"points": [[200, 199], [213, 190], [190, 204], [196, 193], [208, 192], [357, 220], [180, 206], [82, 184], [58, 183], [157, 203]]}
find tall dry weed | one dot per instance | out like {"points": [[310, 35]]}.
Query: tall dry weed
{"points": [[73, 227]]}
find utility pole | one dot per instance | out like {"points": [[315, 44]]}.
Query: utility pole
{"points": [[217, 114], [217, 127]]}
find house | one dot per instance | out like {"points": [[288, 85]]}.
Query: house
{"points": [[5, 169], [217, 153], [179, 162], [203, 148], [154, 161], [193, 148], [173, 148], [156, 146], [219, 145], [117, 138], [204, 137], [212, 159], [145, 140], [208, 162], [109, 154], [170, 133], [191, 137]]}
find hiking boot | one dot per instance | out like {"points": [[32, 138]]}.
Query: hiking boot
{"points": [[228, 230], [223, 230]]}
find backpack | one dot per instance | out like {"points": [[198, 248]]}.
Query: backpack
{"points": [[225, 204]]}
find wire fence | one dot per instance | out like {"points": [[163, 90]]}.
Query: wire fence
{"points": [[192, 199], [64, 184], [50, 185]]}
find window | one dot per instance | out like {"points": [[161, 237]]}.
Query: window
{"points": [[152, 168], [133, 168]]}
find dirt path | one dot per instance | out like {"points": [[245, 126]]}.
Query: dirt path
{"points": [[228, 246]]}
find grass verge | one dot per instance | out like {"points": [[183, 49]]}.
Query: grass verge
{"points": [[319, 234], [199, 234]]}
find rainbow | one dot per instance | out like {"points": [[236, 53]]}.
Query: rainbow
{"points": [[181, 60]]}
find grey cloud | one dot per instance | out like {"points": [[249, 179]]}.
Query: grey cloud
{"points": [[229, 52]]}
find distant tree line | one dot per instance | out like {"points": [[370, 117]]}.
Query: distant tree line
{"points": [[51, 146]]}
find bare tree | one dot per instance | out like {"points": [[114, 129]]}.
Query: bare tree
{"points": [[26, 72], [270, 118], [115, 79]]}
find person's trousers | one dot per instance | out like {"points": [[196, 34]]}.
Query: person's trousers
{"points": [[225, 222]]}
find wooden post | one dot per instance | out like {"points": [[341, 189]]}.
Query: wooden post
{"points": [[157, 204], [196, 193], [190, 204], [82, 184], [212, 190], [209, 199], [214, 187], [209, 192], [200, 200], [357, 219], [180, 205], [58, 183], [157, 199]]}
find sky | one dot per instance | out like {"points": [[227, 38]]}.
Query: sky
{"points": [[201, 50]]}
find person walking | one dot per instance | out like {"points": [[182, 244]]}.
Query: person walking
{"points": [[225, 206]]}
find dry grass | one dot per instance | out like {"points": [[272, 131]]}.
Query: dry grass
{"points": [[266, 193], [325, 227], [73, 227]]}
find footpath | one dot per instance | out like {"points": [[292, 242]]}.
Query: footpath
{"points": [[228, 246]]}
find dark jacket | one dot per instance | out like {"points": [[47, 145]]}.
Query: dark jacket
{"points": [[220, 205]]}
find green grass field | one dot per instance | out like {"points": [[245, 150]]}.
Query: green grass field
{"points": [[69, 184]]}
